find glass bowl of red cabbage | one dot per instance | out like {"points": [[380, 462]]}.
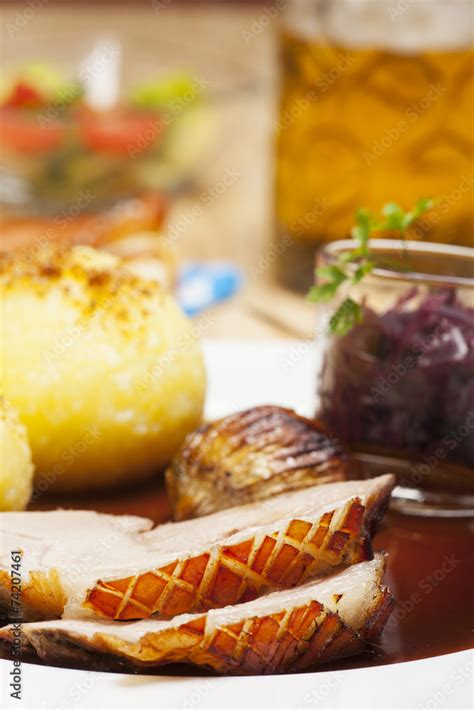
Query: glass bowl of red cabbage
{"points": [[398, 387]]}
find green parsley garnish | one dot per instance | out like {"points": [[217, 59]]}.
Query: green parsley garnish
{"points": [[392, 220]]}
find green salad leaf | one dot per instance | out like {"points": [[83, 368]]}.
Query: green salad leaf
{"points": [[56, 86], [165, 93]]}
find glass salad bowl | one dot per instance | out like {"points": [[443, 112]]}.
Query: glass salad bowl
{"points": [[76, 130], [398, 387]]}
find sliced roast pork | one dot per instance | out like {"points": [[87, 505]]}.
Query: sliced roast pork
{"points": [[78, 563], [283, 631]]}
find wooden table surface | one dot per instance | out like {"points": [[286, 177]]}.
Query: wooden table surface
{"points": [[228, 214]]}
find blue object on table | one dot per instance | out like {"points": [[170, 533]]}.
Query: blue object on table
{"points": [[201, 285]]}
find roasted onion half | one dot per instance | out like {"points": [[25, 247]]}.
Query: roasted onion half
{"points": [[249, 456]]}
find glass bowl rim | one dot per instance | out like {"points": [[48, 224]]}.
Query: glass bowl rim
{"points": [[329, 251]]}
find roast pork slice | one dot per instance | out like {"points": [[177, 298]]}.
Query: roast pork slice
{"points": [[78, 563], [283, 631]]}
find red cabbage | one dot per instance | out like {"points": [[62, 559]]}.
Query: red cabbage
{"points": [[403, 380]]}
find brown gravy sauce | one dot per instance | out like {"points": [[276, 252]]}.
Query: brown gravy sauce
{"points": [[430, 571]]}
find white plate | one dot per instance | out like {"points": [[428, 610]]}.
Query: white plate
{"points": [[243, 374]]}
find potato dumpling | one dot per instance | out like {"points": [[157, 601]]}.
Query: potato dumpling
{"points": [[104, 369], [16, 469]]}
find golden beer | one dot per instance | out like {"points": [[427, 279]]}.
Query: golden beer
{"points": [[368, 117]]}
